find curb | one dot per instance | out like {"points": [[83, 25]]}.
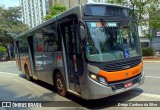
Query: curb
{"points": [[151, 61], [151, 57], [6, 61]]}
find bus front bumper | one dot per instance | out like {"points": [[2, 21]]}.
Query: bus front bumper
{"points": [[97, 90]]}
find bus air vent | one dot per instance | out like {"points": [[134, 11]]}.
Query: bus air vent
{"points": [[122, 65]]}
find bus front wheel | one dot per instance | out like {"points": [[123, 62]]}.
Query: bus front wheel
{"points": [[60, 84]]}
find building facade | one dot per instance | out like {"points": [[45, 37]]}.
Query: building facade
{"points": [[71, 3], [33, 11]]}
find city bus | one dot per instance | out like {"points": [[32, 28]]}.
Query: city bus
{"points": [[92, 51]]}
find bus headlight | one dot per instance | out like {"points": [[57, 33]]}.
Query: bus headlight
{"points": [[98, 79], [93, 76]]}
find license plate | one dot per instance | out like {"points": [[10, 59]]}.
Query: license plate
{"points": [[128, 84]]}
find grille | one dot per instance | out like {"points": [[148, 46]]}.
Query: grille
{"points": [[137, 80], [122, 65], [116, 86]]}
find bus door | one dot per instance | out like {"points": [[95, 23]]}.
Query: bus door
{"points": [[69, 31], [38, 55], [18, 55], [31, 54]]}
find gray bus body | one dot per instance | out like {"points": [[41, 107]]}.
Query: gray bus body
{"points": [[57, 46]]}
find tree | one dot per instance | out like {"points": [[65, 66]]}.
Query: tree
{"points": [[145, 12], [2, 49], [10, 25], [56, 9]]}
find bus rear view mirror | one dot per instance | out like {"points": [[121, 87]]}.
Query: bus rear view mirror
{"points": [[82, 30], [82, 33]]}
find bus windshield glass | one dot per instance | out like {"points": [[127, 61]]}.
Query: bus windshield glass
{"points": [[108, 41]]}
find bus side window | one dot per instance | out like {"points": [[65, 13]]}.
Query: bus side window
{"points": [[23, 45], [50, 38], [39, 45]]}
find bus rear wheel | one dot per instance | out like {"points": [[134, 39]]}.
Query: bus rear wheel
{"points": [[60, 84], [27, 73]]}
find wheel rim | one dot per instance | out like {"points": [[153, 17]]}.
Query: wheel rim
{"points": [[60, 84]]}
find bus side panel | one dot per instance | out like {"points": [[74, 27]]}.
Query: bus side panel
{"points": [[23, 51], [24, 60], [54, 62], [17, 55]]}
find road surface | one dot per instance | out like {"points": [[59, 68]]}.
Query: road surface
{"points": [[14, 87]]}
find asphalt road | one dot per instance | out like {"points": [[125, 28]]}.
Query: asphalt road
{"points": [[152, 78], [9, 67], [14, 87]]}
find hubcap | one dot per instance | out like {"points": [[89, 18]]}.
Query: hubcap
{"points": [[59, 84]]}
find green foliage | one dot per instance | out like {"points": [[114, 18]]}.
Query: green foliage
{"points": [[122, 2], [2, 49], [55, 10], [10, 24], [147, 51], [142, 9], [154, 20]]}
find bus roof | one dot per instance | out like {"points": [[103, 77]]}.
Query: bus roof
{"points": [[108, 4], [76, 9], [56, 18]]}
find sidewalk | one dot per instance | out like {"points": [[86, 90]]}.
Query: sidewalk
{"points": [[1, 61], [151, 59]]}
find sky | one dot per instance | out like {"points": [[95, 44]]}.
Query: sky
{"points": [[9, 3]]}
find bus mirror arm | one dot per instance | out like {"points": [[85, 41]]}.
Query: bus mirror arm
{"points": [[82, 30], [82, 44]]}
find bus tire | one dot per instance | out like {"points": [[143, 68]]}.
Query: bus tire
{"points": [[27, 73], [60, 84]]}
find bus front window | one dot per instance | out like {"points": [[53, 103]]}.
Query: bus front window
{"points": [[112, 41]]}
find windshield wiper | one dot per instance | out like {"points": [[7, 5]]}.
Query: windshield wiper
{"points": [[103, 22], [111, 30]]}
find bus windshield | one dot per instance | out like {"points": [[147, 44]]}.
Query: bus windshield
{"points": [[112, 41]]}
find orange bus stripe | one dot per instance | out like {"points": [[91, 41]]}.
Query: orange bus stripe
{"points": [[121, 75]]}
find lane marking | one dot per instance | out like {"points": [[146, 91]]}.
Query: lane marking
{"points": [[147, 94], [10, 73], [152, 77], [151, 95]]}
